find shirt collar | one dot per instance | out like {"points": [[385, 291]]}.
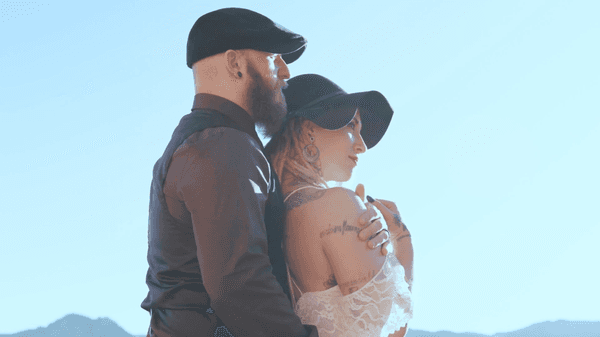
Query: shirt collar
{"points": [[229, 109]]}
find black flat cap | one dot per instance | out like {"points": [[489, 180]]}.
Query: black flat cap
{"points": [[318, 99], [239, 28]]}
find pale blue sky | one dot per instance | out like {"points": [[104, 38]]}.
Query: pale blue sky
{"points": [[492, 156]]}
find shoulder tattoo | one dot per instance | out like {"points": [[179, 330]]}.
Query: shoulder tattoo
{"points": [[303, 197]]}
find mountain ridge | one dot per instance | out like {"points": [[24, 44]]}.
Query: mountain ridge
{"points": [[559, 328], [77, 325]]}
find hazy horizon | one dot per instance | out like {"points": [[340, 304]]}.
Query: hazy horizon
{"points": [[75, 321]]}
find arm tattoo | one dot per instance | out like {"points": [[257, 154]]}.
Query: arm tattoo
{"points": [[330, 282], [303, 197], [353, 285], [344, 228]]}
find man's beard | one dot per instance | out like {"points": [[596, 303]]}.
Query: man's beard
{"points": [[267, 112]]}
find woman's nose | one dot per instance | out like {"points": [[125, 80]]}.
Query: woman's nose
{"points": [[359, 144]]}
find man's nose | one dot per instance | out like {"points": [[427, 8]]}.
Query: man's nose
{"points": [[283, 71]]}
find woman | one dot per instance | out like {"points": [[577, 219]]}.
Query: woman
{"points": [[341, 286]]}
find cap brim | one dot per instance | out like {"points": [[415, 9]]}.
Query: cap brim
{"points": [[280, 40], [336, 112], [293, 56], [290, 51]]}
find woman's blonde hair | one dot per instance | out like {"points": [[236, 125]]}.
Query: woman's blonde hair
{"points": [[285, 152]]}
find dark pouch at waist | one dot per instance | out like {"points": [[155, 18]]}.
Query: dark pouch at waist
{"points": [[184, 323]]}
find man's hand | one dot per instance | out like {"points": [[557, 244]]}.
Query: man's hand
{"points": [[373, 231]]}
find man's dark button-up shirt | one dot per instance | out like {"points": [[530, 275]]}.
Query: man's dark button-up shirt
{"points": [[207, 235]]}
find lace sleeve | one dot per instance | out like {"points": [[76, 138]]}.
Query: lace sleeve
{"points": [[381, 307]]}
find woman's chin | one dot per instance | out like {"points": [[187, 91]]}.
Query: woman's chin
{"points": [[340, 176]]}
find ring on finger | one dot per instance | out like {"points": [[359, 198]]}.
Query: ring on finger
{"points": [[383, 241], [388, 232]]}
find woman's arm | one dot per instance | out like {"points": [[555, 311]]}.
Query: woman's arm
{"points": [[334, 221], [352, 262]]}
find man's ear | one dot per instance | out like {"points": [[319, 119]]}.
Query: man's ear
{"points": [[235, 63]]}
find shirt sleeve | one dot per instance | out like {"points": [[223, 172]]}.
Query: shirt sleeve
{"points": [[223, 179]]}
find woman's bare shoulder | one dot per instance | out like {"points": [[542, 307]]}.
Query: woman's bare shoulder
{"points": [[331, 212], [340, 202], [333, 202]]}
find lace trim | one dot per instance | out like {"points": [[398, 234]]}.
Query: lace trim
{"points": [[381, 307]]}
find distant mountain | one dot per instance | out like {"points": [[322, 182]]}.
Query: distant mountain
{"points": [[557, 329], [76, 325], [80, 326], [545, 329]]}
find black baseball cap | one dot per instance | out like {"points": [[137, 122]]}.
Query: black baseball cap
{"points": [[239, 28], [318, 99]]}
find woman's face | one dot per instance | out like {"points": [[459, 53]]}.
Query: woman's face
{"points": [[339, 149]]}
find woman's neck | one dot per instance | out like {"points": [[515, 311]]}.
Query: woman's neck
{"points": [[291, 182]]}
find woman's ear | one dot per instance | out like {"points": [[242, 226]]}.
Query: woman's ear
{"points": [[309, 131], [308, 126]]}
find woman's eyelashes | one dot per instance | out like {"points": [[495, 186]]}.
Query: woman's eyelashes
{"points": [[354, 125]]}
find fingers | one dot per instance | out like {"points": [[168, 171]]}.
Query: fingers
{"points": [[383, 205], [379, 239], [380, 206], [370, 230], [386, 248], [360, 191], [368, 216], [389, 204]]}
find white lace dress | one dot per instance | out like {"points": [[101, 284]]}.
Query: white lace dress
{"points": [[381, 307]]}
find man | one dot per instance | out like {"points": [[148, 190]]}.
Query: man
{"points": [[216, 265]]}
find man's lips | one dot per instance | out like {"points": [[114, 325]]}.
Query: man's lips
{"points": [[354, 158]]}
